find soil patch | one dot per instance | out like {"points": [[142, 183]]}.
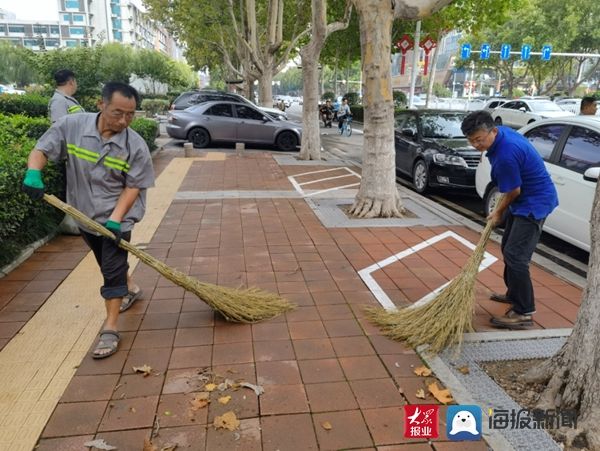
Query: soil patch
{"points": [[507, 374], [346, 209]]}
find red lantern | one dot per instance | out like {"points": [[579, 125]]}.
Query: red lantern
{"points": [[427, 45], [404, 45]]}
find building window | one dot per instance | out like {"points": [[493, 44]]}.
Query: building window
{"points": [[52, 43], [118, 36], [71, 43], [77, 18], [31, 42], [72, 4], [67, 17], [16, 29], [54, 29], [2, 29], [115, 9], [116, 23], [37, 29], [77, 31]]}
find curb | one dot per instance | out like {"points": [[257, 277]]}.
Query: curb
{"points": [[26, 253]]}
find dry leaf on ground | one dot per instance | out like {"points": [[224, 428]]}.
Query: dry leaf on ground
{"points": [[227, 421], [444, 396], [327, 425], [420, 393], [200, 400], [464, 369], [210, 387], [144, 369], [422, 371], [99, 444], [169, 447], [224, 399], [148, 446]]}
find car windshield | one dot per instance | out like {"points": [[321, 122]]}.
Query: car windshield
{"points": [[544, 105], [442, 125]]}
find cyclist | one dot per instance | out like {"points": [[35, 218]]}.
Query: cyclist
{"points": [[343, 112], [326, 112]]}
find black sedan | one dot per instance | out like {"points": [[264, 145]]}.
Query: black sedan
{"points": [[431, 149]]}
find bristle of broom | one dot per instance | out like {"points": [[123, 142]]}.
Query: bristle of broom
{"points": [[241, 305], [441, 322]]}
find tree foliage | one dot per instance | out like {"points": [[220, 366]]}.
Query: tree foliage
{"points": [[16, 65]]}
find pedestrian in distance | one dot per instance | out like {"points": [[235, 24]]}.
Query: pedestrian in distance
{"points": [[62, 102], [588, 106], [529, 197], [343, 112], [109, 169]]}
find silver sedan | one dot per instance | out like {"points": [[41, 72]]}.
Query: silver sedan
{"points": [[232, 122]]}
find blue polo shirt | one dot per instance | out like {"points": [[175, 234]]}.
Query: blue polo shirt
{"points": [[516, 163]]}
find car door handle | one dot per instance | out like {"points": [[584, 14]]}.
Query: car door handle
{"points": [[558, 180]]}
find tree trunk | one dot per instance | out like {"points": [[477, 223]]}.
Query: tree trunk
{"points": [[434, 59], [249, 87], [311, 141], [265, 88], [572, 375], [377, 195]]}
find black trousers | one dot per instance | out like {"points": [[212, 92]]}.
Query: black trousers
{"points": [[521, 235], [113, 264]]}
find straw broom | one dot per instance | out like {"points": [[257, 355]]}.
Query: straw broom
{"points": [[442, 321], [240, 305]]}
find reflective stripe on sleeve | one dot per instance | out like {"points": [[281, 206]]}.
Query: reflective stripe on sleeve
{"points": [[116, 163], [74, 109]]}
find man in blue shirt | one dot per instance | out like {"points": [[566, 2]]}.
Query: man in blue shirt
{"points": [[529, 197]]}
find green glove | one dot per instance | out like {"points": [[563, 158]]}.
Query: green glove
{"points": [[115, 228], [33, 185]]}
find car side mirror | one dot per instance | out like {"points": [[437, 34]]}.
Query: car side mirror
{"points": [[523, 109], [265, 119], [408, 132], [591, 175]]}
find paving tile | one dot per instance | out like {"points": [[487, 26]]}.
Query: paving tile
{"points": [[191, 438], [348, 430], [154, 339], [319, 348], [303, 313], [335, 311], [129, 321], [283, 399], [232, 333], [111, 365], [125, 440], [352, 346], [136, 385], [90, 388], [198, 318], [228, 353], [283, 372], [7, 316], [267, 351], [165, 306], [248, 437], [159, 321], [376, 393], [244, 403], [64, 444], [193, 336], [238, 372], [401, 364], [406, 447], [330, 396], [460, 446], [363, 367], [191, 357], [386, 424], [182, 381], [306, 329], [322, 370], [133, 413], [76, 418], [385, 345], [288, 432], [9, 330], [156, 358], [270, 331], [177, 410], [342, 328], [409, 387]]}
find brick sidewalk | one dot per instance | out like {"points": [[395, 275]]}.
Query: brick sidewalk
{"points": [[321, 363]]}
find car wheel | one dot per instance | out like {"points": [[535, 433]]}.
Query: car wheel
{"points": [[287, 141], [199, 137], [420, 177], [491, 200], [498, 120], [531, 121]]}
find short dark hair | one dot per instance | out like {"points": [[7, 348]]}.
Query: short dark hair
{"points": [[122, 88], [586, 102], [475, 121], [63, 76]]}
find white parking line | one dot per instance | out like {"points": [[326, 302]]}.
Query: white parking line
{"points": [[298, 185]]}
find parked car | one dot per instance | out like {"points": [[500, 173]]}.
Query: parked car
{"points": [[572, 105], [232, 122], [431, 148], [518, 113], [189, 98], [493, 103], [570, 148]]}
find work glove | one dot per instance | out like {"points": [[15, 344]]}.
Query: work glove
{"points": [[33, 185], [115, 228]]}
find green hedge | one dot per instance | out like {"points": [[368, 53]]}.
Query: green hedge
{"points": [[155, 106], [23, 221], [32, 105], [148, 129]]}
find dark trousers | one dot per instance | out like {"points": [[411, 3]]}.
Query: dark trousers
{"points": [[521, 235], [113, 264]]}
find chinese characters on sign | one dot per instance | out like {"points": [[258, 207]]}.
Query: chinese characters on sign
{"points": [[421, 421], [532, 419]]}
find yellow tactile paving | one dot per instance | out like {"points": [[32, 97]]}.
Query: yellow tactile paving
{"points": [[38, 363]]}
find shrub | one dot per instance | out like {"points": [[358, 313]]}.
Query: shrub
{"points": [[154, 106], [15, 128], [399, 98], [32, 105], [147, 129], [328, 96], [358, 113], [353, 98]]}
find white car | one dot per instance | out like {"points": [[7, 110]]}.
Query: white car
{"points": [[520, 112], [492, 104], [570, 148], [572, 105]]}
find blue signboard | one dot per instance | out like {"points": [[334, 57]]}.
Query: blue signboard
{"points": [[485, 51], [525, 52], [505, 51], [546, 51], [465, 51]]}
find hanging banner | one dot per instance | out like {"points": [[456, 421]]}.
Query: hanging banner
{"points": [[404, 45], [427, 45]]}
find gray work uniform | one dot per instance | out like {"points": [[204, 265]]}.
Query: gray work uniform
{"points": [[97, 169], [61, 104]]}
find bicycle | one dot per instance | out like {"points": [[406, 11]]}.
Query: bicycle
{"points": [[346, 128]]}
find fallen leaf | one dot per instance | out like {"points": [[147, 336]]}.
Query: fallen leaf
{"points": [[422, 371], [148, 446], [396, 364], [167, 413], [132, 410], [227, 421], [169, 447], [464, 369], [99, 444], [145, 370], [444, 396], [259, 390], [224, 399], [200, 400], [210, 387], [420, 393], [327, 425]]}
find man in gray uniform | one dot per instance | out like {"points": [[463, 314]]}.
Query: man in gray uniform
{"points": [[62, 102], [109, 169]]}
